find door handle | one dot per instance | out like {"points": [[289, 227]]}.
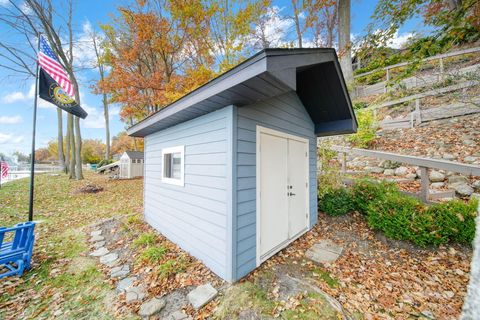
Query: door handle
{"points": [[291, 194]]}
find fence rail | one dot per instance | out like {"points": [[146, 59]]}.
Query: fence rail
{"points": [[437, 57], [423, 163]]}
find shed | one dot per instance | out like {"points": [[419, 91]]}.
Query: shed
{"points": [[131, 164], [230, 168]]}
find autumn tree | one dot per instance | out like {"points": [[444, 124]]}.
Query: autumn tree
{"points": [[93, 150], [321, 17], [158, 52], [122, 142]]}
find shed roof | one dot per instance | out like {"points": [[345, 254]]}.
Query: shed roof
{"points": [[134, 154], [314, 74]]}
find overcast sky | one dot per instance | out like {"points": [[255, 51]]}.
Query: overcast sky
{"points": [[16, 93]]}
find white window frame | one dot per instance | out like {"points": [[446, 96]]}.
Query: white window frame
{"points": [[177, 149]]}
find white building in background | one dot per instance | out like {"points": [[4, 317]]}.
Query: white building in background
{"points": [[131, 165]]}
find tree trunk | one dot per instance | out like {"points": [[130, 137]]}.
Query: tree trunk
{"points": [[297, 22], [78, 150], [107, 127], [72, 146], [472, 300], [67, 149], [344, 43], [61, 157]]}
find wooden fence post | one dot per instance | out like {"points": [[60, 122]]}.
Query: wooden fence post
{"points": [[441, 70], [425, 183]]}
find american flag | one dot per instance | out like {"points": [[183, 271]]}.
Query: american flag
{"points": [[4, 169], [49, 62]]}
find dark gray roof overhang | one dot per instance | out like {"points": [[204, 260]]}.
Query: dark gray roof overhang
{"points": [[314, 74]]}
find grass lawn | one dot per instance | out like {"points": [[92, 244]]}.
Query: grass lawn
{"points": [[63, 282]]}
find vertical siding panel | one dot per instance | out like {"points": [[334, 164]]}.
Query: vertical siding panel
{"points": [[271, 114]]}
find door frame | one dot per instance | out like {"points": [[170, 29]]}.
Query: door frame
{"points": [[259, 131]]}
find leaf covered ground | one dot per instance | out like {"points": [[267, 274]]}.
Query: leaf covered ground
{"points": [[64, 282]]}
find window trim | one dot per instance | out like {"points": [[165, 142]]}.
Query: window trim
{"points": [[176, 149]]}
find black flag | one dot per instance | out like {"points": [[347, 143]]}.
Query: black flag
{"points": [[50, 90]]}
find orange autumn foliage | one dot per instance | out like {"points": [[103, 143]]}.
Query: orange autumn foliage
{"points": [[157, 51]]}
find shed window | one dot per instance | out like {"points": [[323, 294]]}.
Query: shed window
{"points": [[173, 165]]}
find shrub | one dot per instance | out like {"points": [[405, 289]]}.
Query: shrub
{"points": [[365, 191], [455, 220], [366, 130], [336, 202]]}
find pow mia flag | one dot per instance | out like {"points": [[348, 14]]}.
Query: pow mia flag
{"points": [[50, 90]]}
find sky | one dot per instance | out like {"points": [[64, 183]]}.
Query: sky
{"points": [[17, 93]]}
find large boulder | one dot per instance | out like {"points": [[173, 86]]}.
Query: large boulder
{"points": [[401, 171], [462, 189], [436, 176]]}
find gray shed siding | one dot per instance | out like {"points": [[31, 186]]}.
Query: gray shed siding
{"points": [[283, 113], [196, 216]]}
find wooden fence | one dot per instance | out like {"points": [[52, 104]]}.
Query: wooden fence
{"points": [[423, 163]]}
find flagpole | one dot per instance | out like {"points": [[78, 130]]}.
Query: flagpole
{"points": [[32, 157]]}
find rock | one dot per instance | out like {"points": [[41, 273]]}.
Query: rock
{"points": [[97, 238], [179, 315], [475, 196], [470, 159], [436, 176], [462, 189], [401, 171], [448, 156], [388, 164], [120, 272], [134, 294], [96, 233], [374, 169], [324, 251], [476, 185], [449, 294], [201, 295], [124, 284], [438, 185], [99, 244], [468, 142], [99, 252], [151, 307], [411, 176], [109, 258], [456, 179], [389, 172]]}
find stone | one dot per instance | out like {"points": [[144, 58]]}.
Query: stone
{"points": [[179, 315], [476, 184], [124, 284], [475, 196], [411, 176], [109, 258], [401, 171], [428, 314], [96, 233], [324, 251], [99, 252], [438, 185], [389, 172], [462, 189], [457, 179], [97, 238], [448, 156], [470, 159], [134, 293], [151, 307], [388, 164], [201, 295], [374, 169], [468, 142], [436, 176], [120, 271], [99, 244]]}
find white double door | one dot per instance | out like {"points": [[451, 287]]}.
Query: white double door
{"points": [[282, 182]]}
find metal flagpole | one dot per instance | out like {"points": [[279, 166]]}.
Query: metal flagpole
{"points": [[32, 157]]}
